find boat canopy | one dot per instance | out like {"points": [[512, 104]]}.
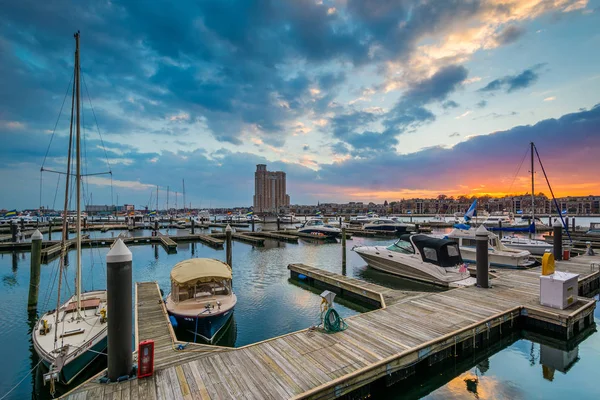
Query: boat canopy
{"points": [[199, 270], [442, 252]]}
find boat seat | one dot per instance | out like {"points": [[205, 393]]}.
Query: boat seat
{"points": [[85, 305]]}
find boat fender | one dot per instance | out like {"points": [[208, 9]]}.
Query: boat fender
{"points": [[104, 379], [173, 321], [301, 276], [123, 378]]}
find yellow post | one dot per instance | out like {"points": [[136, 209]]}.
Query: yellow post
{"points": [[548, 264]]}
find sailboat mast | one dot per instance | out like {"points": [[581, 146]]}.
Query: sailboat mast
{"points": [[183, 183], [156, 201], [532, 192], [65, 218], [78, 170]]}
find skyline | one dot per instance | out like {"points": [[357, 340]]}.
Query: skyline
{"points": [[353, 102]]}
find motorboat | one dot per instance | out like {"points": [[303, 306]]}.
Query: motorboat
{"points": [[525, 222], [388, 225], [497, 219], [535, 247], [498, 254], [363, 219], [70, 337], [201, 299], [318, 228], [290, 218], [421, 258]]}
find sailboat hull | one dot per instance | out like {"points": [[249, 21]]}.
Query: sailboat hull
{"points": [[72, 370]]}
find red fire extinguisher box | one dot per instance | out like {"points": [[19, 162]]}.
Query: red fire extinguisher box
{"points": [[145, 358]]}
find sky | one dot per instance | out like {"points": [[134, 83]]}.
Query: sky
{"points": [[355, 100]]}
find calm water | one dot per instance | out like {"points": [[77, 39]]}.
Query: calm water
{"points": [[269, 304]]}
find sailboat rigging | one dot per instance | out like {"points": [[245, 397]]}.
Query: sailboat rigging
{"points": [[79, 325]]}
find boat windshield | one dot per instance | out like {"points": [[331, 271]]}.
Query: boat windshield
{"points": [[315, 222], [402, 246]]}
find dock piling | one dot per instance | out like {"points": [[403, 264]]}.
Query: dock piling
{"points": [[34, 278], [573, 224], [228, 249], [278, 224], [13, 231], [481, 236], [252, 223], [557, 240], [49, 228], [119, 298], [193, 230], [343, 249]]}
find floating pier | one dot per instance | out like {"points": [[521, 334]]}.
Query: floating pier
{"points": [[409, 329]]}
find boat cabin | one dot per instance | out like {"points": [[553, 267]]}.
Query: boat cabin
{"points": [[466, 238], [200, 282], [440, 252]]}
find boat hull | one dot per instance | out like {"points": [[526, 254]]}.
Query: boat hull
{"points": [[469, 254], [316, 231], [205, 326], [72, 370], [388, 228], [408, 267]]}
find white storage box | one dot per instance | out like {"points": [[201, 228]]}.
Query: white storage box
{"points": [[558, 290]]}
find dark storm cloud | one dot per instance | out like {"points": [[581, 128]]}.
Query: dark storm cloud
{"points": [[510, 83], [221, 61]]}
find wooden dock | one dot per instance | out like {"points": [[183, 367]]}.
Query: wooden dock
{"points": [[169, 244], [367, 292], [389, 343]]}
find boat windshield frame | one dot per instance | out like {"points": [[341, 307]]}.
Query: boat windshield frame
{"points": [[402, 249]]}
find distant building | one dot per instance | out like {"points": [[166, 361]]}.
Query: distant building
{"points": [[269, 190]]}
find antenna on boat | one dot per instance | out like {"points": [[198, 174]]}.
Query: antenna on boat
{"points": [[532, 193]]}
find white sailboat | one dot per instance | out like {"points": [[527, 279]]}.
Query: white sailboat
{"points": [[70, 337]]}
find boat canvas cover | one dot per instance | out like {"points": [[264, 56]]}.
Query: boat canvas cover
{"points": [[198, 270], [444, 257]]}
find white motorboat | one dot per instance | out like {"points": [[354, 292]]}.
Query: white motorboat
{"points": [[536, 247], [388, 225], [371, 216], [495, 219], [421, 258], [290, 218], [69, 338], [201, 299], [498, 254], [525, 222], [318, 228]]}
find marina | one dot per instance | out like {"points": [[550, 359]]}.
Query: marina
{"points": [[384, 343], [310, 200]]}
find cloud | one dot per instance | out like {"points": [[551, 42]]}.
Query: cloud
{"points": [[433, 174], [551, 98], [481, 104], [464, 114], [496, 115], [510, 83], [509, 35], [306, 147], [454, 134], [450, 104]]}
